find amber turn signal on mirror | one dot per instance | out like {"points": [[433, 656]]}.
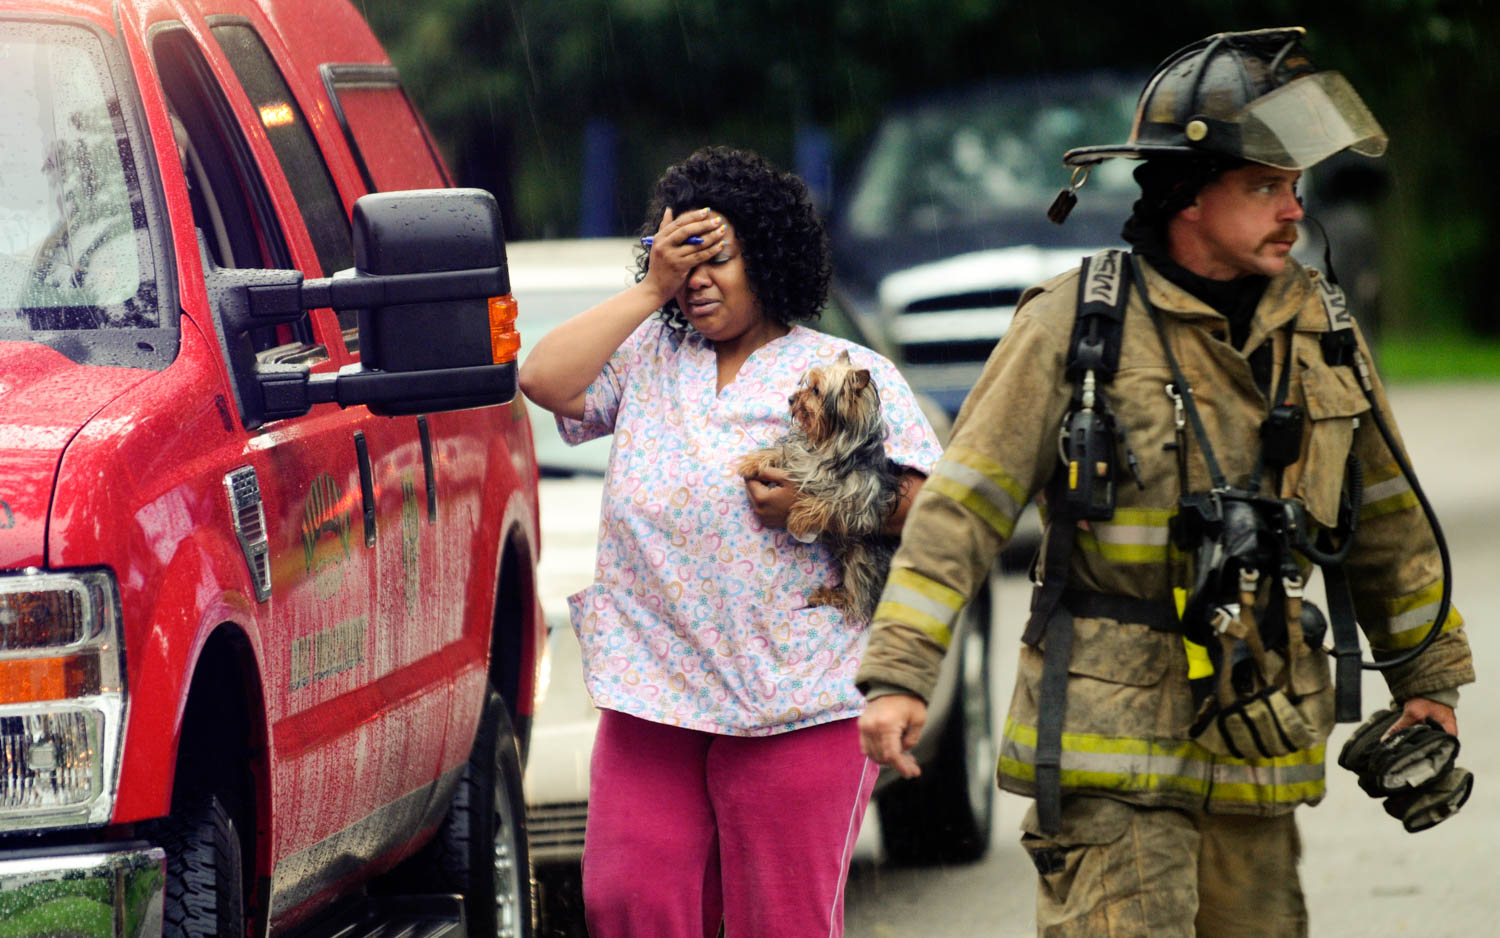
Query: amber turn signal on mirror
{"points": [[505, 341]]}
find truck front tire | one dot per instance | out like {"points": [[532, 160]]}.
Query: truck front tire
{"points": [[481, 848], [205, 872]]}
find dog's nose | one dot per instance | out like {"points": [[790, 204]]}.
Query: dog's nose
{"points": [[791, 399]]}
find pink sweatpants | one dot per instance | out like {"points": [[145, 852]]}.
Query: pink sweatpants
{"points": [[686, 827]]}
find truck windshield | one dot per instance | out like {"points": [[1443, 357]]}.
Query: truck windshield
{"points": [[75, 249], [990, 155]]}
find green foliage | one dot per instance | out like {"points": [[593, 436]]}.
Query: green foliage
{"points": [[57, 908], [509, 86], [1439, 357]]}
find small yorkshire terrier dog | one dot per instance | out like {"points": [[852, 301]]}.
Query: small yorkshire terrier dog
{"points": [[847, 487]]}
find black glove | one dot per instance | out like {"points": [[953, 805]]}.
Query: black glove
{"points": [[1413, 769], [1434, 802]]}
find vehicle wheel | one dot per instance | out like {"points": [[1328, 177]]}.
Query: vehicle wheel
{"points": [[205, 874], [945, 814], [480, 850]]}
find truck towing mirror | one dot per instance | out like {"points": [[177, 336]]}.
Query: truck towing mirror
{"points": [[429, 264]]}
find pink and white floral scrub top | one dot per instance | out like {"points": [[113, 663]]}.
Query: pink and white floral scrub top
{"points": [[697, 616]]}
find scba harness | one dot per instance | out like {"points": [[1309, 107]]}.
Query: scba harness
{"points": [[1243, 602]]}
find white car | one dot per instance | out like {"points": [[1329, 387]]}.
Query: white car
{"points": [[944, 815]]}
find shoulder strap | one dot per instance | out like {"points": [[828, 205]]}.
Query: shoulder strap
{"points": [[1339, 344], [1339, 349], [1093, 357], [1100, 323]]}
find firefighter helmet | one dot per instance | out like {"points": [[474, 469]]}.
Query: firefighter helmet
{"points": [[1247, 95]]}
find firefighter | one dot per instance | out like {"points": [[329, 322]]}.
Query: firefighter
{"points": [[1199, 422]]}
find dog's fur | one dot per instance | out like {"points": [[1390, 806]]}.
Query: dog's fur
{"points": [[847, 486]]}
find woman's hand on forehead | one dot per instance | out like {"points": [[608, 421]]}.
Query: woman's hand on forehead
{"points": [[673, 256]]}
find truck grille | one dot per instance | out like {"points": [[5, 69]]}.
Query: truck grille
{"points": [[975, 299], [556, 830]]}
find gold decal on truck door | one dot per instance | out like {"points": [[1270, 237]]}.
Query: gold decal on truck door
{"points": [[324, 513], [327, 652]]}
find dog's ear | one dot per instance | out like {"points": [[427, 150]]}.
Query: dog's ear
{"points": [[843, 358], [859, 380]]}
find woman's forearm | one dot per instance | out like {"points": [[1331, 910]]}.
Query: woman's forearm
{"points": [[911, 483], [569, 357]]}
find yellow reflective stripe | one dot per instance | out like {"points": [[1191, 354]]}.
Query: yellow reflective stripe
{"points": [[1289, 779], [1109, 781], [1121, 764], [1293, 793], [980, 485], [1199, 663], [987, 467], [976, 503], [1375, 491], [1410, 618], [1388, 506], [1386, 491], [909, 579], [1133, 535], [896, 612], [921, 602]]}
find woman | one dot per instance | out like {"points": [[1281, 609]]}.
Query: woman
{"points": [[726, 778]]}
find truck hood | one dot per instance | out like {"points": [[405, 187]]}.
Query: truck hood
{"points": [[44, 400]]}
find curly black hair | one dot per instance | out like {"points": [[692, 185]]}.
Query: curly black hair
{"points": [[782, 239]]}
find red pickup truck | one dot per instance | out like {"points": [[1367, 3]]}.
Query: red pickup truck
{"points": [[268, 523]]}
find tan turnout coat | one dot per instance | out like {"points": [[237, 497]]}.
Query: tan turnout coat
{"points": [[1128, 700]]}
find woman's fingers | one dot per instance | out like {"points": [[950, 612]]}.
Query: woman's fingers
{"points": [[704, 224], [673, 256]]}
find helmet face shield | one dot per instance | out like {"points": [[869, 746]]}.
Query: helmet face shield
{"points": [[1306, 121]]}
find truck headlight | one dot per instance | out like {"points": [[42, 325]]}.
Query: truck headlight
{"points": [[62, 698]]}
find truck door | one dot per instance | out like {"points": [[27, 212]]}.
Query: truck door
{"points": [[350, 680]]}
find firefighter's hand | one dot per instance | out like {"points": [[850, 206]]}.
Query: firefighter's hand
{"points": [[889, 728], [1418, 709]]}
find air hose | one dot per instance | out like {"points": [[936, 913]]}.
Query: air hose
{"points": [[1446, 599], [1362, 368]]}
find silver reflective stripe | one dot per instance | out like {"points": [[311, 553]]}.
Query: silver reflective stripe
{"points": [[912, 599], [1137, 765], [1411, 620], [1386, 489], [1135, 536], [979, 483]]}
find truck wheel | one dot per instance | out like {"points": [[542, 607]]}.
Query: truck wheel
{"points": [[481, 849], [205, 876], [945, 814]]}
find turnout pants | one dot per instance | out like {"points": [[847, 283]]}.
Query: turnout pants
{"points": [[1124, 871], [687, 828]]}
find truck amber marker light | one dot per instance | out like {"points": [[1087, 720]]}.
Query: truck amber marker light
{"points": [[40, 679], [278, 114], [505, 341]]}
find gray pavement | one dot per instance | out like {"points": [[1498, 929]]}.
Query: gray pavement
{"points": [[1363, 875]]}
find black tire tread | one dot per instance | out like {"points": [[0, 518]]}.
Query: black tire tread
{"points": [[204, 888], [458, 854]]}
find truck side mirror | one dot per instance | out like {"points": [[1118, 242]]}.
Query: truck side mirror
{"points": [[436, 320]]}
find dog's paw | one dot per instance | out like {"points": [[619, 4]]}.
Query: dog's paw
{"points": [[753, 464], [835, 596]]}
